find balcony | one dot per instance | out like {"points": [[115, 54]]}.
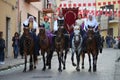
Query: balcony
{"points": [[48, 10], [28, 1], [113, 19]]}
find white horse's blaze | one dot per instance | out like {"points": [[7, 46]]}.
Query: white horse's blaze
{"points": [[77, 38]]}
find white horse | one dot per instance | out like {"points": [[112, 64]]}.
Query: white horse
{"points": [[76, 46]]}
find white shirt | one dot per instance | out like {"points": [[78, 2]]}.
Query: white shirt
{"points": [[92, 23], [55, 25]]}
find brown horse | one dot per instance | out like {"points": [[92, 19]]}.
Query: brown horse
{"points": [[60, 47], [44, 44], [91, 49], [28, 49]]}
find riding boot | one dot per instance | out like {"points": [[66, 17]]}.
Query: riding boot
{"points": [[100, 44], [98, 38], [83, 43]]}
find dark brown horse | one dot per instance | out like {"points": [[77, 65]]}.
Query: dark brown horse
{"points": [[91, 49], [45, 47], [28, 49], [60, 47]]}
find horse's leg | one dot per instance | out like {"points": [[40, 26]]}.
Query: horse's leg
{"points": [[83, 57], [25, 63], [78, 60], [49, 59], [59, 59], [44, 65], [35, 60], [89, 62], [94, 62], [72, 58], [65, 56], [31, 62]]}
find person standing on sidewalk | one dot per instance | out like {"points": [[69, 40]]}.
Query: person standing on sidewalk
{"points": [[2, 46], [15, 44]]}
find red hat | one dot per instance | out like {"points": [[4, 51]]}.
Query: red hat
{"points": [[46, 17]]}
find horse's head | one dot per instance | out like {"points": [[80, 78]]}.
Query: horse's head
{"points": [[90, 33], [77, 33], [26, 31], [42, 31], [60, 35]]}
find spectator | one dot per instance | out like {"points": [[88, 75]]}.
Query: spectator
{"points": [[2, 46], [116, 43], [107, 41], [15, 44], [119, 42]]}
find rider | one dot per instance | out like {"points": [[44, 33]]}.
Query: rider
{"points": [[80, 23], [59, 23], [92, 22], [32, 26], [46, 25]]}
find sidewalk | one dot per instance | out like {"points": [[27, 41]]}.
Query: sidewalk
{"points": [[11, 62]]}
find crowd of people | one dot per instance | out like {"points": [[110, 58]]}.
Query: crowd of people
{"points": [[112, 42]]}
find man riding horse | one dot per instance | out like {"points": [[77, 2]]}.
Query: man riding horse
{"points": [[59, 23], [91, 22], [28, 42], [32, 26]]}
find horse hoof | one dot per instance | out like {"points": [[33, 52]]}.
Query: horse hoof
{"points": [[59, 69], [49, 67], [30, 69], [24, 70], [64, 68], [94, 70], [100, 50], [74, 64], [34, 67], [43, 69], [77, 69], [82, 67], [89, 70]]}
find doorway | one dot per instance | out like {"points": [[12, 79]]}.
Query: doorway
{"points": [[7, 35]]}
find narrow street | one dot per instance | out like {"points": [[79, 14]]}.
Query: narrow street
{"points": [[105, 70]]}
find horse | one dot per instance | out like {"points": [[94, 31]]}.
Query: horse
{"points": [[76, 46], [28, 49], [45, 46], [60, 47], [91, 49]]}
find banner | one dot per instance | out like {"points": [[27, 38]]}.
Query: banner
{"points": [[70, 15]]}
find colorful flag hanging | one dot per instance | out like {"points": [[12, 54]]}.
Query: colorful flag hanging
{"points": [[74, 5], [104, 3], [79, 4], [94, 4], [99, 3], [84, 4], [109, 3]]}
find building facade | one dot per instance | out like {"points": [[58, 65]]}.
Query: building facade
{"points": [[109, 24], [28, 8], [8, 22], [13, 14]]}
